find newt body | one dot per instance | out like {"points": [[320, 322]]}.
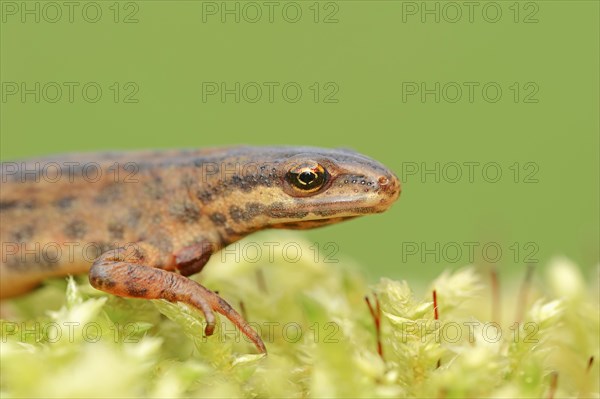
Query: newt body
{"points": [[140, 222]]}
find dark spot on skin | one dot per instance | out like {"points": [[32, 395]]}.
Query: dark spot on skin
{"points": [[133, 217], [108, 194], [218, 219], [108, 283], [99, 278], [293, 225], [326, 212], [76, 229], [116, 230], [65, 202], [236, 213], [236, 180], [185, 211], [5, 205], [50, 257], [251, 179], [155, 188], [264, 180], [23, 234], [277, 210], [246, 183], [363, 210], [95, 280], [205, 196], [254, 209], [134, 291], [167, 295], [301, 214]]}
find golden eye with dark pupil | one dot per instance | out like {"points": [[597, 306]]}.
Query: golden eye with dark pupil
{"points": [[306, 178]]}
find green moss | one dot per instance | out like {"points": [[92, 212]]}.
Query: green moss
{"points": [[319, 333]]}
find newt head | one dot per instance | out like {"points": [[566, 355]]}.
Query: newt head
{"points": [[309, 187]]}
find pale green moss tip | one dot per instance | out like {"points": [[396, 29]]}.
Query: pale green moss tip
{"points": [[320, 334]]}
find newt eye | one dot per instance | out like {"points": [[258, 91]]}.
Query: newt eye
{"points": [[307, 177]]}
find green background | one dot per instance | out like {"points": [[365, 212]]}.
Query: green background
{"points": [[369, 51]]}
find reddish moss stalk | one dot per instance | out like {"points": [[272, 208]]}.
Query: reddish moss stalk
{"points": [[436, 317], [495, 295], [524, 293], [376, 315], [553, 384]]}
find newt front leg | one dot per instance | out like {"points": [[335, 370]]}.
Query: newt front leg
{"points": [[130, 272]]}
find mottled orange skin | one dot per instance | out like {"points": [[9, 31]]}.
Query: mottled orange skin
{"points": [[140, 222]]}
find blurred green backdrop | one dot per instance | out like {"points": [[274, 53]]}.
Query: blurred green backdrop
{"points": [[462, 91]]}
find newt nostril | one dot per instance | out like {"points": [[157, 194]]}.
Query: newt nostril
{"points": [[390, 185], [383, 181]]}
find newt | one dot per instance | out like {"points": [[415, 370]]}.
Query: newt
{"points": [[140, 222]]}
